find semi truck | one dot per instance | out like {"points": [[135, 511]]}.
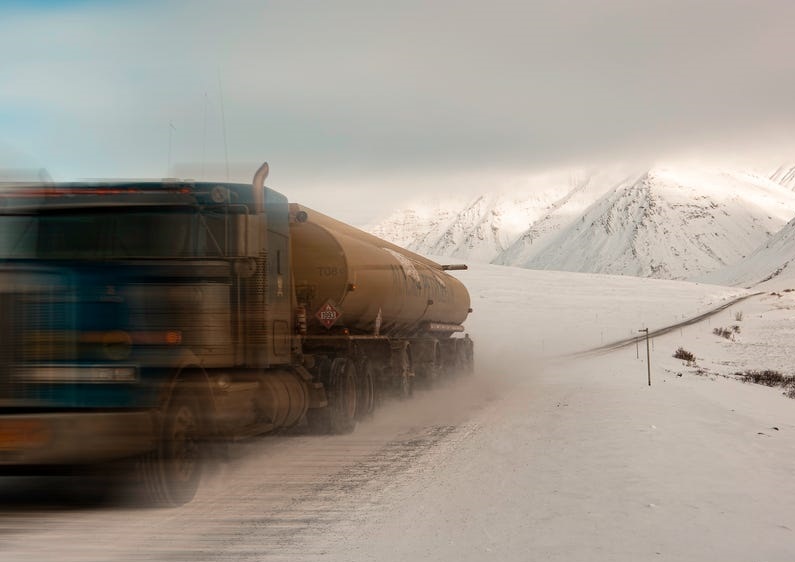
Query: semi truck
{"points": [[149, 321]]}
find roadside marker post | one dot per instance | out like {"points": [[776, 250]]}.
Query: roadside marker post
{"points": [[648, 354]]}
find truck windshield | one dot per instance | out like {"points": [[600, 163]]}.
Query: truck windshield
{"points": [[113, 234]]}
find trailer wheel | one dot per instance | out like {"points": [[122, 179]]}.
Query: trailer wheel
{"points": [[448, 358], [465, 355], [365, 401], [401, 384], [341, 389], [342, 406], [406, 382], [172, 472], [428, 373]]}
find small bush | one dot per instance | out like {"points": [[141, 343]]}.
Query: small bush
{"points": [[685, 355], [738, 316], [727, 333], [768, 377]]}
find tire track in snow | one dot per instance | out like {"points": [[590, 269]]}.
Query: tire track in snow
{"points": [[332, 508], [281, 501]]}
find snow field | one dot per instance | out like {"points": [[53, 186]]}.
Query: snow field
{"points": [[549, 313], [580, 460]]}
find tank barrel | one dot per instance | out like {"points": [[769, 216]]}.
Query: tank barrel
{"points": [[351, 279]]}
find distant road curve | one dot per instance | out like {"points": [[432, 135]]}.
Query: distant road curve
{"points": [[660, 331]]}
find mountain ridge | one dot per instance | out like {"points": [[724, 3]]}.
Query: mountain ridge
{"points": [[667, 222]]}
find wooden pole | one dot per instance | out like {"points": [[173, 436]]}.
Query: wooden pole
{"points": [[648, 354]]}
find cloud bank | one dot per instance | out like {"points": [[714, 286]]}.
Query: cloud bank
{"points": [[369, 93]]}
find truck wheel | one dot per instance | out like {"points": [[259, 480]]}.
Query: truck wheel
{"points": [[449, 358], [172, 472], [428, 373], [401, 384], [406, 383], [365, 400], [342, 405], [465, 356], [341, 390]]}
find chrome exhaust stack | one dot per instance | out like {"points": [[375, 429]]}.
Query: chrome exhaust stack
{"points": [[258, 183]]}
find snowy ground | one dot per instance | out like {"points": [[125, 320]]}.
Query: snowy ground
{"points": [[581, 460], [539, 456]]}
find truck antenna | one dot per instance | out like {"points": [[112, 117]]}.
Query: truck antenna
{"points": [[223, 123], [171, 129]]}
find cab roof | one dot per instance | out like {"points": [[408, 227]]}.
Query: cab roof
{"points": [[131, 193]]}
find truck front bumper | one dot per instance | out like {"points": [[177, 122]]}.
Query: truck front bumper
{"points": [[65, 438]]}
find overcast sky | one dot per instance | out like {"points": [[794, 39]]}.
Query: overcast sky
{"points": [[358, 104]]}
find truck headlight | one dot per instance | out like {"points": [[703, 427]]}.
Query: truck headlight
{"points": [[78, 373]]}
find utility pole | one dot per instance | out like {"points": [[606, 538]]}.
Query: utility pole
{"points": [[648, 355]]}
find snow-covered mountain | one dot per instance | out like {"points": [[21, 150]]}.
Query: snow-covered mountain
{"points": [[477, 229], [482, 227], [665, 222], [668, 224], [772, 264], [784, 175]]}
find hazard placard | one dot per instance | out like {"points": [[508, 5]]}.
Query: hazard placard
{"points": [[328, 314]]}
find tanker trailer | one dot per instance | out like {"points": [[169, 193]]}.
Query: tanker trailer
{"points": [[390, 313]]}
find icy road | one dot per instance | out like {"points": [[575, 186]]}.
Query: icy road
{"points": [[533, 458]]}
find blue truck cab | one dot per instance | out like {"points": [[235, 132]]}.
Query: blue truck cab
{"points": [[137, 321]]}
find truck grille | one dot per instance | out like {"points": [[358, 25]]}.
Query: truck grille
{"points": [[46, 331], [34, 328]]}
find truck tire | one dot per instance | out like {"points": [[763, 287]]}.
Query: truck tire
{"points": [[465, 356], [341, 389], [170, 474], [365, 400]]}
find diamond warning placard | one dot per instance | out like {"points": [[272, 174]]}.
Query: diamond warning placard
{"points": [[328, 315]]}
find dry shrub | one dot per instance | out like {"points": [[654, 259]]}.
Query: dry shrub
{"points": [[727, 333], [769, 377]]}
